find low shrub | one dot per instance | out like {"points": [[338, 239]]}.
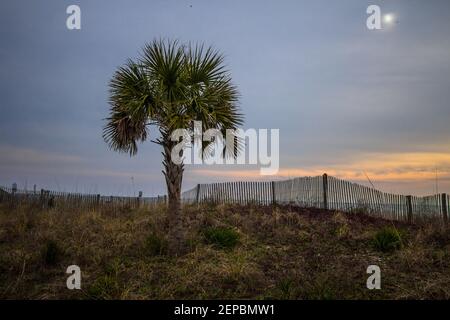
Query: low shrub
{"points": [[155, 245], [387, 239], [221, 237]]}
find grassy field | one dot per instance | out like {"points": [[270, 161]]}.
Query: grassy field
{"points": [[239, 252]]}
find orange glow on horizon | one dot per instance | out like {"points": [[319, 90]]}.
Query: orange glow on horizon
{"points": [[378, 166]]}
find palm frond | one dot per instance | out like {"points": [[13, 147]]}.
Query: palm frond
{"points": [[133, 104], [122, 132]]}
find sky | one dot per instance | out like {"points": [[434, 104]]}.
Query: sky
{"points": [[355, 103]]}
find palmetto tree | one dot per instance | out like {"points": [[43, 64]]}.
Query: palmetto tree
{"points": [[169, 87]]}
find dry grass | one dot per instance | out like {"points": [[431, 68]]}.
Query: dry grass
{"points": [[282, 253]]}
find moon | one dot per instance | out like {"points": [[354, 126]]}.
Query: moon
{"points": [[389, 18]]}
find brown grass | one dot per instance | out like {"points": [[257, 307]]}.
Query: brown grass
{"points": [[283, 253]]}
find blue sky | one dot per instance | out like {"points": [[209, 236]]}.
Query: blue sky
{"points": [[347, 100]]}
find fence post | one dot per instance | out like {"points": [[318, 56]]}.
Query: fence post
{"points": [[444, 208], [409, 206], [13, 193], [14, 188], [139, 199], [197, 195], [98, 199], [42, 198], [325, 191], [274, 200]]}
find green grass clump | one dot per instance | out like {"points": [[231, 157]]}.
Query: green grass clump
{"points": [[221, 237], [155, 245], [287, 289], [387, 239], [104, 287], [342, 231]]}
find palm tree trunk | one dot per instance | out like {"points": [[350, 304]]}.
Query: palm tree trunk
{"points": [[174, 176]]}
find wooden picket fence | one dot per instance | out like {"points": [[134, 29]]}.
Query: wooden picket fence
{"points": [[325, 192], [50, 199], [315, 192]]}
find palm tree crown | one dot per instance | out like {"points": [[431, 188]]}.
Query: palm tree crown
{"points": [[169, 86]]}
